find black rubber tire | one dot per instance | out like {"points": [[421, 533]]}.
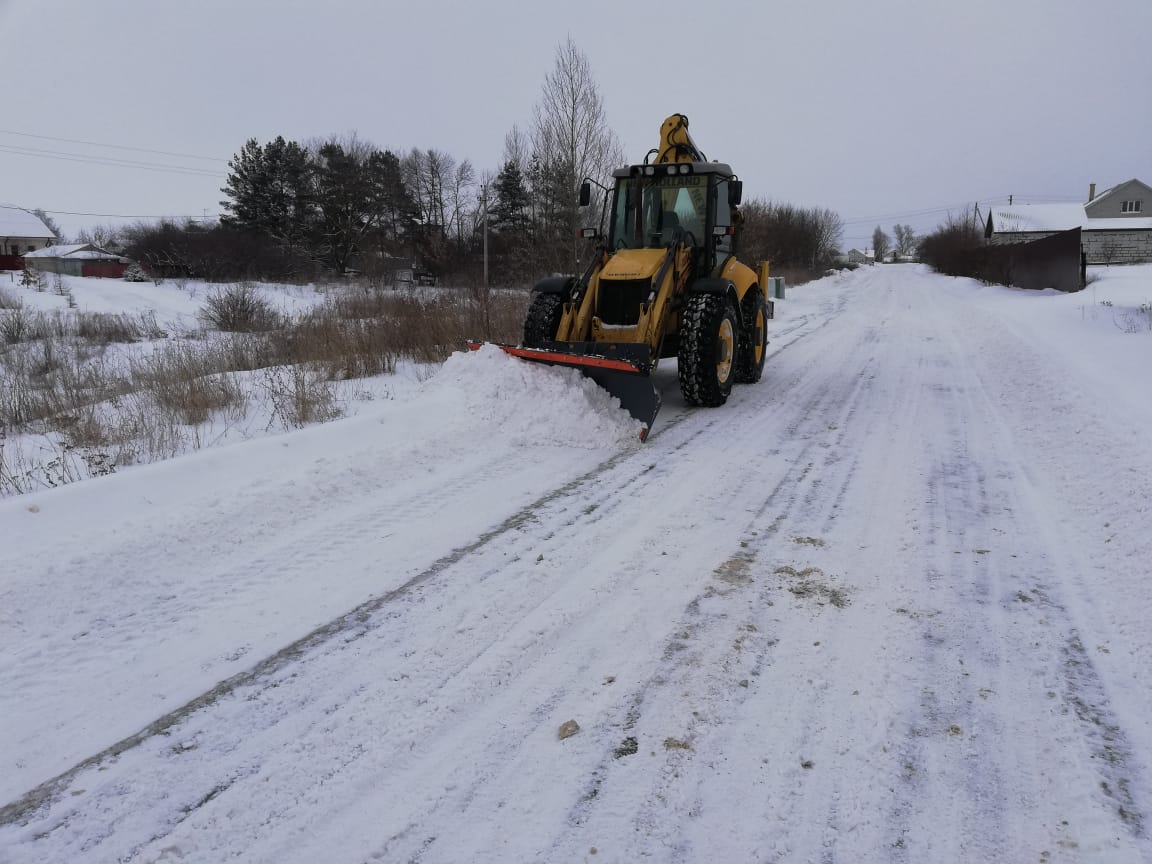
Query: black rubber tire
{"points": [[708, 330], [753, 338], [542, 320]]}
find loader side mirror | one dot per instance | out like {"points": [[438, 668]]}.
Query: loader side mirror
{"points": [[585, 193], [735, 192]]}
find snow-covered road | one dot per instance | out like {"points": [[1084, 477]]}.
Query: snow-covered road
{"points": [[888, 605]]}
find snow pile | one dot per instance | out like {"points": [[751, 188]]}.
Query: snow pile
{"points": [[532, 403]]}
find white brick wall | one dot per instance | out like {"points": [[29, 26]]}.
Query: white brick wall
{"points": [[1100, 247]]}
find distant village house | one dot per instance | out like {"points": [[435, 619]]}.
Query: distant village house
{"points": [[79, 259], [1116, 225], [20, 232]]}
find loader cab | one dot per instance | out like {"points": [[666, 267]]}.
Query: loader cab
{"points": [[656, 206]]}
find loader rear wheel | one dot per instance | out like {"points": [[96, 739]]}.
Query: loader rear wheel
{"points": [[709, 333], [752, 350], [542, 320]]}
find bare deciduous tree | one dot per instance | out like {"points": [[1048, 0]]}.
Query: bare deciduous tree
{"points": [[829, 230], [428, 174], [881, 244], [459, 196], [102, 236], [905, 240], [517, 149], [789, 236], [571, 139]]}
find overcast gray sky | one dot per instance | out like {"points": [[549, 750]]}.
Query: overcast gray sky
{"points": [[880, 110]]}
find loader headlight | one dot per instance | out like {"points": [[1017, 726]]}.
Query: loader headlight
{"points": [[684, 169], [649, 170], [671, 169]]}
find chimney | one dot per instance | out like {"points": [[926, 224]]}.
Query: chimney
{"points": [[1091, 192]]}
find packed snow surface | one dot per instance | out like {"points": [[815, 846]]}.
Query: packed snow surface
{"points": [[889, 604]]}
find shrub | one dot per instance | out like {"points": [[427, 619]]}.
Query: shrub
{"points": [[215, 253], [135, 273], [240, 309], [955, 248]]}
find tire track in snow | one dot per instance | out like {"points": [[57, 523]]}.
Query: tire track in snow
{"points": [[290, 535], [988, 659], [347, 625], [711, 654]]}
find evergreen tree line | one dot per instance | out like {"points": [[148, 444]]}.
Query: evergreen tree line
{"points": [[347, 204]]}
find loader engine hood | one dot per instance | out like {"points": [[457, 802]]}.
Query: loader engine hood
{"points": [[626, 286], [634, 264]]}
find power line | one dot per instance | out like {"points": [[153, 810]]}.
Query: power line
{"points": [[963, 205], [107, 215], [113, 146], [109, 161]]}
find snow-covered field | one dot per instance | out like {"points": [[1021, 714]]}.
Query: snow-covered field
{"points": [[141, 425], [174, 302], [890, 604]]}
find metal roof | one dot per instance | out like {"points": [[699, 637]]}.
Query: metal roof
{"points": [[15, 222], [72, 250], [1058, 217]]}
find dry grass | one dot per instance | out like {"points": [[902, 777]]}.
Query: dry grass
{"points": [[9, 301], [299, 396], [189, 383], [94, 413], [99, 328]]}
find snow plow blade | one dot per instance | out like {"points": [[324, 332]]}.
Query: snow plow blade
{"points": [[626, 379]]}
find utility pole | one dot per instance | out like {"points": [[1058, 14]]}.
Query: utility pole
{"points": [[484, 199]]}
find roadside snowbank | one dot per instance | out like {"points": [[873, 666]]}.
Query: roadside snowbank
{"points": [[531, 403]]}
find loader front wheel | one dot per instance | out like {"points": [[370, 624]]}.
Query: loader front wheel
{"points": [[709, 334], [542, 320], [753, 348]]}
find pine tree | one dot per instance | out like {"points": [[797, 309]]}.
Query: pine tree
{"points": [[270, 190], [510, 210], [246, 187]]}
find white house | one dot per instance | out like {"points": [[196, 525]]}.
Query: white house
{"points": [[20, 232], [860, 256], [1116, 225]]}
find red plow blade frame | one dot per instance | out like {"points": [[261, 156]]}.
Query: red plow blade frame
{"points": [[623, 379]]}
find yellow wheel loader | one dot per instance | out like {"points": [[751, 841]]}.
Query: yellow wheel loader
{"points": [[664, 282]]}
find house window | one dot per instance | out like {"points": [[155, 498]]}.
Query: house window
{"points": [[1132, 206], [15, 248]]}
